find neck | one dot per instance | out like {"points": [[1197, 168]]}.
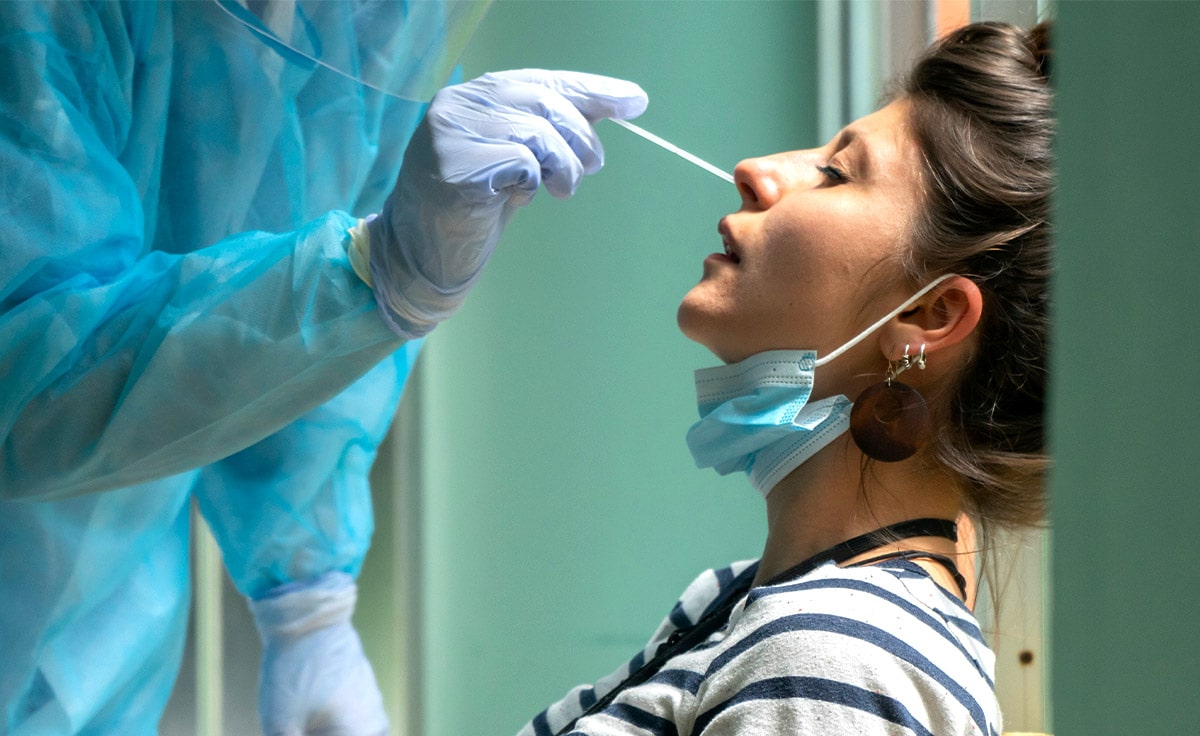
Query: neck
{"points": [[828, 500]]}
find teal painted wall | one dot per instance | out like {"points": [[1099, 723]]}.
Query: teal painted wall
{"points": [[1125, 642], [561, 511]]}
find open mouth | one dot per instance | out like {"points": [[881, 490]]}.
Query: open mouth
{"points": [[727, 241], [730, 253]]}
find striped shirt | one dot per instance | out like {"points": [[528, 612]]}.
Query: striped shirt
{"points": [[877, 649]]}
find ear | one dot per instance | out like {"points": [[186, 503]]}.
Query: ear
{"points": [[945, 316]]}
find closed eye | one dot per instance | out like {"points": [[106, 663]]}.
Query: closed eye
{"points": [[833, 174]]}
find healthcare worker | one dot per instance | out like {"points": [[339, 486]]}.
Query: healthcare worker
{"points": [[191, 308]]}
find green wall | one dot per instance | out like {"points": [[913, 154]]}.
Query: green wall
{"points": [[1125, 642], [561, 511]]}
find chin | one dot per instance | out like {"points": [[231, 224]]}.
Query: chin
{"points": [[691, 319], [700, 327]]}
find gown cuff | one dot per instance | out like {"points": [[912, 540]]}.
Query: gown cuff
{"points": [[359, 250]]}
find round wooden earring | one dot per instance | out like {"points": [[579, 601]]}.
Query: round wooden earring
{"points": [[890, 420]]}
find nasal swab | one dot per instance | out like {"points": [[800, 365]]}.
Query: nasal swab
{"points": [[674, 149]]}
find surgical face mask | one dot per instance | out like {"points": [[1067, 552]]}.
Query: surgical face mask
{"points": [[756, 417]]}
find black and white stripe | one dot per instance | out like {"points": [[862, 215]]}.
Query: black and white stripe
{"points": [[859, 650]]}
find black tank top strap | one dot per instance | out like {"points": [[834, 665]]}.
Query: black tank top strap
{"points": [[916, 554], [863, 543]]}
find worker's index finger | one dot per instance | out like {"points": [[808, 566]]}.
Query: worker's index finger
{"points": [[594, 95]]}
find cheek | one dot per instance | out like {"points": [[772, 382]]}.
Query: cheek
{"points": [[797, 261], [837, 244]]}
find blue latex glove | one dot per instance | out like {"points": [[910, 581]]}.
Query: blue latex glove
{"points": [[315, 679], [482, 150]]}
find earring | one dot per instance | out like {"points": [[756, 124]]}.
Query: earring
{"points": [[890, 420]]}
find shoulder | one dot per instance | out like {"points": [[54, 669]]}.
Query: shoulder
{"points": [[703, 595], [853, 647], [894, 594]]}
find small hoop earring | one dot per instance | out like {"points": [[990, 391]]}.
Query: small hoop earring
{"points": [[890, 420]]}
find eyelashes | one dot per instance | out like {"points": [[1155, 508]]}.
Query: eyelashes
{"points": [[833, 174]]}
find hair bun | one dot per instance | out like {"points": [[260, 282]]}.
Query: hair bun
{"points": [[1038, 43]]}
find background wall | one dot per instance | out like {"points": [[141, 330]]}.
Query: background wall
{"points": [[562, 513], [1126, 648]]}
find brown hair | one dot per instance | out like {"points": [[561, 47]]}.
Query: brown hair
{"points": [[982, 115]]}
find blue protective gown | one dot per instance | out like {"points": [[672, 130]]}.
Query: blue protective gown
{"points": [[178, 319]]}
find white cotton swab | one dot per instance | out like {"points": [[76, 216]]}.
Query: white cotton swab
{"points": [[674, 149]]}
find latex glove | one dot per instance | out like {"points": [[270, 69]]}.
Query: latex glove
{"points": [[481, 151], [314, 677]]}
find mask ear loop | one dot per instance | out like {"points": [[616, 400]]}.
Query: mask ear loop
{"points": [[890, 420], [883, 320]]}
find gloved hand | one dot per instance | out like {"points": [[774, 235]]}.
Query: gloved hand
{"points": [[314, 677], [482, 151]]}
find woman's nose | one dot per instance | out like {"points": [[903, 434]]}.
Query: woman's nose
{"points": [[762, 181]]}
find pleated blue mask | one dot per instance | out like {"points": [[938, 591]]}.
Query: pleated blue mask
{"points": [[756, 417]]}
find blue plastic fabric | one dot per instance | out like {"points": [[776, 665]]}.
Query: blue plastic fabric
{"points": [[178, 320], [404, 48]]}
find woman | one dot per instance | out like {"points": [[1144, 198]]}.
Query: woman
{"points": [[912, 249]]}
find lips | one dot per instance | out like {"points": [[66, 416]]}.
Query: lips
{"points": [[727, 240]]}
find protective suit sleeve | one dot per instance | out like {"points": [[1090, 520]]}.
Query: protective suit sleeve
{"points": [[119, 364], [297, 505]]}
